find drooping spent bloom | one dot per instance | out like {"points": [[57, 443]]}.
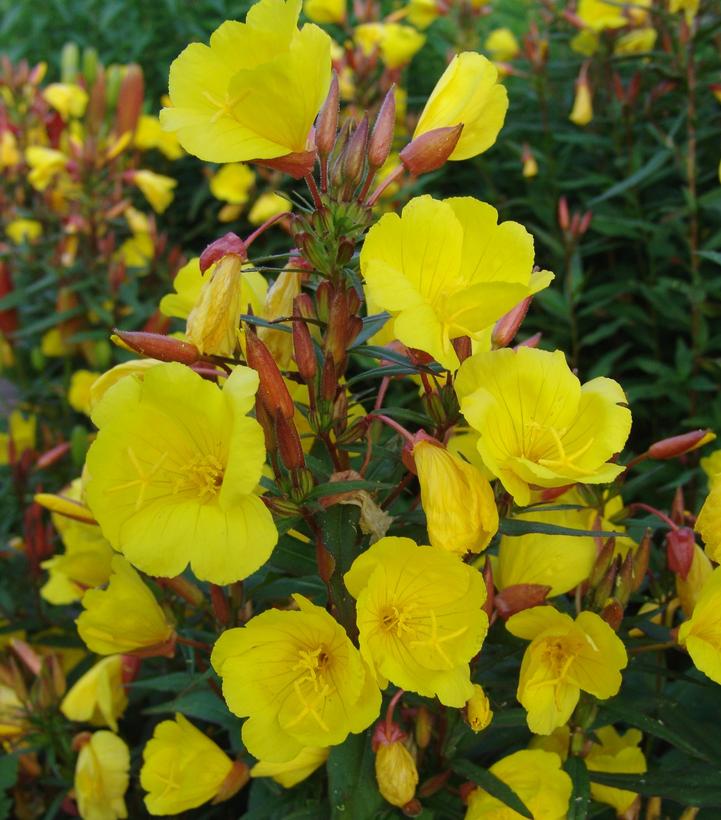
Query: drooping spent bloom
{"points": [[701, 633], [297, 678], [396, 772], [101, 777], [291, 772], [615, 754], [538, 425], [419, 617], [564, 658], [98, 697], [446, 269], [173, 471]]}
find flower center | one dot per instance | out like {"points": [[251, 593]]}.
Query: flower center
{"points": [[203, 475], [314, 663], [549, 440]]}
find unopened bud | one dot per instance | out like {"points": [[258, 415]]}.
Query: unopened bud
{"points": [[507, 326], [69, 63], [431, 150], [531, 341], [381, 139], [326, 125], [423, 728], [157, 346], [323, 295], [219, 602], [680, 545], [329, 380], [272, 391], [354, 155], [396, 773], [304, 352], [641, 557], [564, 221], [478, 712], [624, 580], [603, 562], [289, 446], [463, 347], [90, 65], [612, 614], [66, 507], [518, 597], [585, 223], [679, 445], [130, 100], [603, 590]]}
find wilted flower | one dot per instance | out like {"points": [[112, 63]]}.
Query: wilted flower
{"points": [[701, 633], [101, 777], [291, 772], [98, 697], [616, 754], [396, 773]]}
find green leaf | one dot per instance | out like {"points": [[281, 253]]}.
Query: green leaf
{"points": [[690, 786], [581, 795], [340, 532], [519, 526], [654, 164], [352, 789], [495, 787], [203, 704], [8, 778]]}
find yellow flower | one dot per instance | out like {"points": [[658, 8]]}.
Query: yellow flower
{"points": [[13, 715], [582, 111], [564, 658], [421, 13], [478, 709], [267, 206], [79, 392], [292, 772], [325, 11], [20, 437], [711, 465], [149, 134], [599, 14], [688, 590], [23, 230], [537, 424], [530, 166], [536, 777], [9, 154], [279, 303], [255, 91], [458, 501], [232, 183], [156, 188], [124, 617], [173, 474], [68, 99], [45, 164], [53, 344], [636, 41], [618, 755], [396, 773], [445, 269], [101, 777], [103, 383], [586, 42], [399, 44], [701, 633], [318, 692], [688, 7], [708, 523], [468, 93], [418, 634], [502, 45], [98, 697], [182, 768]]}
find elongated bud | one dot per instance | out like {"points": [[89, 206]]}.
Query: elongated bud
{"points": [[303, 306], [585, 223], [641, 557], [304, 352], [478, 712], [326, 125], [603, 562], [679, 445], [423, 728], [113, 80], [431, 150], [612, 614], [354, 155], [563, 216], [130, 100], [289, 446], [90, 65], [69, 62], [507, 326], [518, 597], [604, 588], [396, 773], [381, 139], [680, 545], [52, 456], [96, 105], [272, 391], [219, 602], [157, 346], [65, 507], [624, 580], [329, 380]]}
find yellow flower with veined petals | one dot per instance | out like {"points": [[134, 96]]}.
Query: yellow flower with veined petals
{"points": [[173, 473], [182, 768], [124, 617], [445, 269], [254, 92], [536, 777], [98, 697], [468, 92], [538, 425], [416, 634], [45, 164], [68, 99], [232, 183], [292, 772], [156, 188], [101, 777], [564, 658], [19, 437], [615, 754], [325, 11], [298, 679], [701, 633]]}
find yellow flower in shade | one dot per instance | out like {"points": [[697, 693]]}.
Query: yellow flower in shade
{"points": [[298, 679], [421, 13], [267, 206], [586, 42], [582, 111], [149, 134], [174, 470], [564, 658], [445, 269], [101, 777], [232, 183], [599, 14], [79, 392], [253, 93], [396, 773], [616, 754], [68, 99], [98, 697], [292, 772], [19, 437], [538, 780], [558, 742], [688, 590], [124, 617], [325, 11], [418, 634], [468, 93], [279, 303], [478, 709], [156, 188], [23, 230], [182, 768], [688, 7], [538, 425], [636, 41], [708, 523], [701, 633], [458, 501], [502, 45], [9, 154], [45, 164]]}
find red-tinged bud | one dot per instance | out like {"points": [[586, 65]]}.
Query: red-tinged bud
{"points": [[266, 422], [678, 445], [289, 446], [462, 346], [431, 150], [489, 603], [328, 380], [603, 562], [304, 352], [157, 323], [434, 784], [323, 296], [237, 777], [27, 655], [575, 222], [531, 341], [96, 104], [219, 602], [183, 588], [612, 614], [326, 125], [641, 556], [346, 249], [129, 668], [130, 100], [272, 391], [624, 580], [303, 306], [585, 223], [507, 326], [603, 590], [52, 456], [518, 597], [157, 346], [678, 507], [296, 165], [680, 545], [381, 139], [563, 216], [354, 155], [229, 244]]}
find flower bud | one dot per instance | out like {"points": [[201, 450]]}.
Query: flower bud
{"points": [[289, 446], [680, 545], [563, 216], [431, 150], [423, 728], [582, 112], [518, 597], [326, 125], [69, 62], [238, 776], [90, 65], [272, 391], [304, 351], [612, 614], [603, 590], [354, 156], [66, 507], [158, 346], [219, 602], [507, 326], [679, 445], [478, 710], [381, 139], [530, 166], [603, 561], [396, 773], [130, 100], [624, 580], [641, 556]]}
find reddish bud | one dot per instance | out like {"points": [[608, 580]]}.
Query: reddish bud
{"points": [[624, 580], [678, 507], [130, 100], [328, 380], [304, 351], [221, 610], [326, 125], [157, 346], [518, 597], [680, 546], [129, 668], [563, 217], [52, 456], [272, 391], [303, 306], [225, 246], [289, 446], [612, 614], [603, 562], [381, 140], [296, 165], [677, 445], [462, 346], [641, 557], [507, 326], [531, 341], [585, 223], [431, 150], [354, 154]]}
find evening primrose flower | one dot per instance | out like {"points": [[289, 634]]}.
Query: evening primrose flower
{"points": [[124, 617], [156, 188], [688, 7], [98, 697], [45, 164], [397, 44], [708, 523], [232, 183], [68, 99], [291, 772], [636, 41], [325, 11], [502, 45], [19, 437], [23, 230], [421, 13], [458, 501], [81, 383], [701, 633], [564, 658], [445, 269], [182, 768], [254, 92], [478, 709], [599, 14], [419, 617], [468, 92], [174, 470], [616, 754], [149, 134], [538, 425], [298, 679], [268, 205], [536, 777], [9, 154], [101, 777]]}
